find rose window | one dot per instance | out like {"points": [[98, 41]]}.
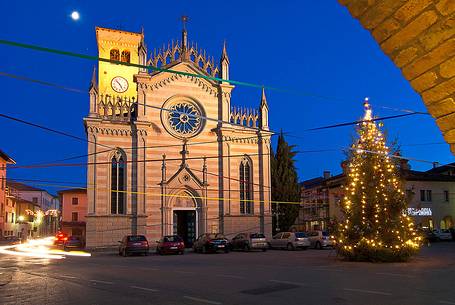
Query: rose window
{"points": [[182, 118]]}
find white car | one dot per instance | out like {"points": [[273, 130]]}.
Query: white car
{"points": [[289, 241], [320, 239], [442, 234]]}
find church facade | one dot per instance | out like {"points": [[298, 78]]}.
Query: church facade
{"points": [[168, 153]]}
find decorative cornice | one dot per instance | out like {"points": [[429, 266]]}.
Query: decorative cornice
{"points": [[196, 80], [115, 131]]}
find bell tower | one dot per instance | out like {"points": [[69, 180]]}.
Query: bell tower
{"points": [[121, 46]]}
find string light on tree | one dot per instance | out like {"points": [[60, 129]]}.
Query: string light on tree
{"points": [[375, 229]]}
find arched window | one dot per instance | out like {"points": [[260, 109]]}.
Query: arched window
{"points": [[115, 55], [118, 185], [125, 56], [246, 206]]}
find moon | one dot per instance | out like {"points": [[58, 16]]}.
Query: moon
{"points": [[75, 15]]}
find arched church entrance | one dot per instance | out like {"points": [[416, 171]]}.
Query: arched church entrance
{"points": [[185, 216]]}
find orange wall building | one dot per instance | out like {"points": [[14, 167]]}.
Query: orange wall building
{"points": [[74, 209], [6, 214]]}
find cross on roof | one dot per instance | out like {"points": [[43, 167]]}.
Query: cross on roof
{"points": [[184, 21]]}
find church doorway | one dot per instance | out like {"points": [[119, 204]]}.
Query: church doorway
{"points": [[185, 224]]}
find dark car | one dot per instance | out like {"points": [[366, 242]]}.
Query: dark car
{"points": [[249, 241], [60, 239], [170, 244], [133, 244], [211, 242], [73, 242]]}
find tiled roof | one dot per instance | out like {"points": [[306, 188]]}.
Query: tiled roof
{"points": [[74, 190], [22, 187], [5, 157]]}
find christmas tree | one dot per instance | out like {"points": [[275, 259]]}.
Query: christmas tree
{"points": [[376, 227]]}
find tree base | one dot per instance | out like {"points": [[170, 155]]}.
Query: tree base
{"points": [[377, 254]]}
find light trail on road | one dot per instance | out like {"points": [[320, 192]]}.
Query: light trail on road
{"points": [[40, 248]]}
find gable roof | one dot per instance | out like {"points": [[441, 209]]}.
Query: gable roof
{"points": [[7, 158], [443, 168]]}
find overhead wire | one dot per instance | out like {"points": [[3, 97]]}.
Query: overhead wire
{"points": [[153, 68]]}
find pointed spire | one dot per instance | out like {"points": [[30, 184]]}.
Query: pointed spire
{"points": [[224, 55], [93, 82], [263, 98]]}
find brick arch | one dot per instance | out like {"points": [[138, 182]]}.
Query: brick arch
{"points": [[419, 37]]}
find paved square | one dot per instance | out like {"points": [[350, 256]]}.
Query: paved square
{"points": [[272, 277]]}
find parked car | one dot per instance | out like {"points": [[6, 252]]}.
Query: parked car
{"points": [[249, 241], [133, 244], [320, 239], [10, 240], [73, 242], [289, 241], [211, 242], [442, 234], [428, 234], [170, 244], [60, 239]]}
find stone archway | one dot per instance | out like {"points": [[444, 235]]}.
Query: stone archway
{"points": [[419, 37], [185, 215]]}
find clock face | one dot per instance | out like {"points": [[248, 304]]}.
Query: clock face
{"points": [[119, 84]]}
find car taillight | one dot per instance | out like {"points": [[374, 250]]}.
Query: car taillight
{"points": [[65, 238], [55, 238], [181, 243]]}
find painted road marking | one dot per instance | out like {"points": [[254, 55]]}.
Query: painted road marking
{"points": [[201, 300], [184, 272], [395, 274], [68, 276], [367, 291], [102, 282], [446, 302], [230, 276], [287, 282], [144, 288], [327, 269]]}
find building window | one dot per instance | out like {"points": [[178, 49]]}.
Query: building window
{"points": [[75, 201], [446, 196], [115, 55], [425, 195], [118, 183], [246, 206], [35, 199], [126, 56], [74, 216], [422, 195], [429, 195], [3, 182]]}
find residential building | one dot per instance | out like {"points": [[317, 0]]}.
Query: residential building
{"points": [[430, 195], [46, 206], [220, 186], [6, 211], [73, 211]]}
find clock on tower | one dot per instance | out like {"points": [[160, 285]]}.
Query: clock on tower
{"points": [[123, 46]]}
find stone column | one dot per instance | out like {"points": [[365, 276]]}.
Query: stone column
{"points": [[163, 197]]}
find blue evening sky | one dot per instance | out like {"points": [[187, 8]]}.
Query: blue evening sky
{"points": [[312, 47]]}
